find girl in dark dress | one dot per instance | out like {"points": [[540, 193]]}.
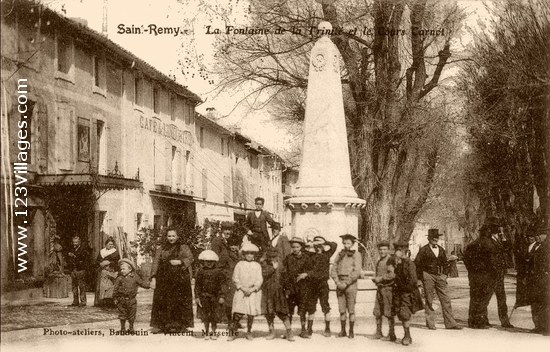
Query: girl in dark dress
{"points": [[107, 267], [453, 259], [172, 309], [274, 301]]}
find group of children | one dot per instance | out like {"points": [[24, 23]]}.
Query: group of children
{"points": [[275, 284]]}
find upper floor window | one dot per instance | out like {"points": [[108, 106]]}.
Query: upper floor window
{"points": [[64, 58], [222, 146], [201, 137], [173, 107], [156, 100], [100, 74], [138, 90]]}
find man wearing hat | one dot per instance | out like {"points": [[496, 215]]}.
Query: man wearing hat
{"points": [[125, 291], [407, 298], [299, 268], [345, 272], [482, 273], [432, 269]]}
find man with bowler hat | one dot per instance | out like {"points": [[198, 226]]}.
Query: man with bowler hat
{"points": [[432, 269]]}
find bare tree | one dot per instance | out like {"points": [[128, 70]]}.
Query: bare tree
{"points": [[507, 87], [393, 56]]}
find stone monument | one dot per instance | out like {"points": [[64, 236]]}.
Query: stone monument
{"points": [[324, 202]]}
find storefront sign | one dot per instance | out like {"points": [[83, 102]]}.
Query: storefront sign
{"points": [[164, 129]]}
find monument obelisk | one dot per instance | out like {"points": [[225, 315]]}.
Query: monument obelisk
{"points": [[325, 202]]}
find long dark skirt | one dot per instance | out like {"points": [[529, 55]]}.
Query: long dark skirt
{"points": [[453, 269], [172, 301]]}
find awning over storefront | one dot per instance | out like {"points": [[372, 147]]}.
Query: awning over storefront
{"points": [[173, 196], [101, 181]]}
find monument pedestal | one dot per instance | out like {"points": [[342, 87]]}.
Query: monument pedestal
{"points": [[327, 217]]}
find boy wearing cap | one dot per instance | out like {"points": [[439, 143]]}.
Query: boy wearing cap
{"points": [[384, 280], [248, 280], [125, 291], [432, 269], [407, 299], [298, 267], [321, 262], [209, 295], [345, 273], [274, 302]]}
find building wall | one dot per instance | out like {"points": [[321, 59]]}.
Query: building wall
{"points": [[100, 113]]}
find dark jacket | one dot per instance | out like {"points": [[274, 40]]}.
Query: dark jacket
{"points": [[161, 263], [538, 273], [127, 286], [406, 285], [480, 257], [499, 256], [405, 276], [294, 266], [427, 261], [210, 283], [321, 263], [113, 258], [80, 258], [261, 222]]}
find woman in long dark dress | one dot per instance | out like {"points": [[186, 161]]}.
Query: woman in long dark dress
{"points": [[107, 267], [453, 260], [172, 309]]}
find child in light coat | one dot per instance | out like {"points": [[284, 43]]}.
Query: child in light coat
{"points": [[247, 300]]}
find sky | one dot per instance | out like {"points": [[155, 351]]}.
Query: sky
{"points": [[164, 50]]}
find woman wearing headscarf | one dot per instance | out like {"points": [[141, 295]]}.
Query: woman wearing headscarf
{"points": [[107, 267]]}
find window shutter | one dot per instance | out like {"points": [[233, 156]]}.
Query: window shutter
{"points": [[65, 137], [159, 162]]}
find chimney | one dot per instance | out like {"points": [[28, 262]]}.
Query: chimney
{"points": [[212, 114]]}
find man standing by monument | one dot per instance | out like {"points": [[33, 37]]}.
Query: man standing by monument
{"points": [[256, 225], [432, 269]]}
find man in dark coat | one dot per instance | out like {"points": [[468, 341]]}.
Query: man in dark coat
{"points": [[406, 296], [432, 269], [481, 263], [538, 281], [500, 252], [256, 225], [78, 259]]}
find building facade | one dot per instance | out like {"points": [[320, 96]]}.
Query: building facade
{"points": [[114, 146]]}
